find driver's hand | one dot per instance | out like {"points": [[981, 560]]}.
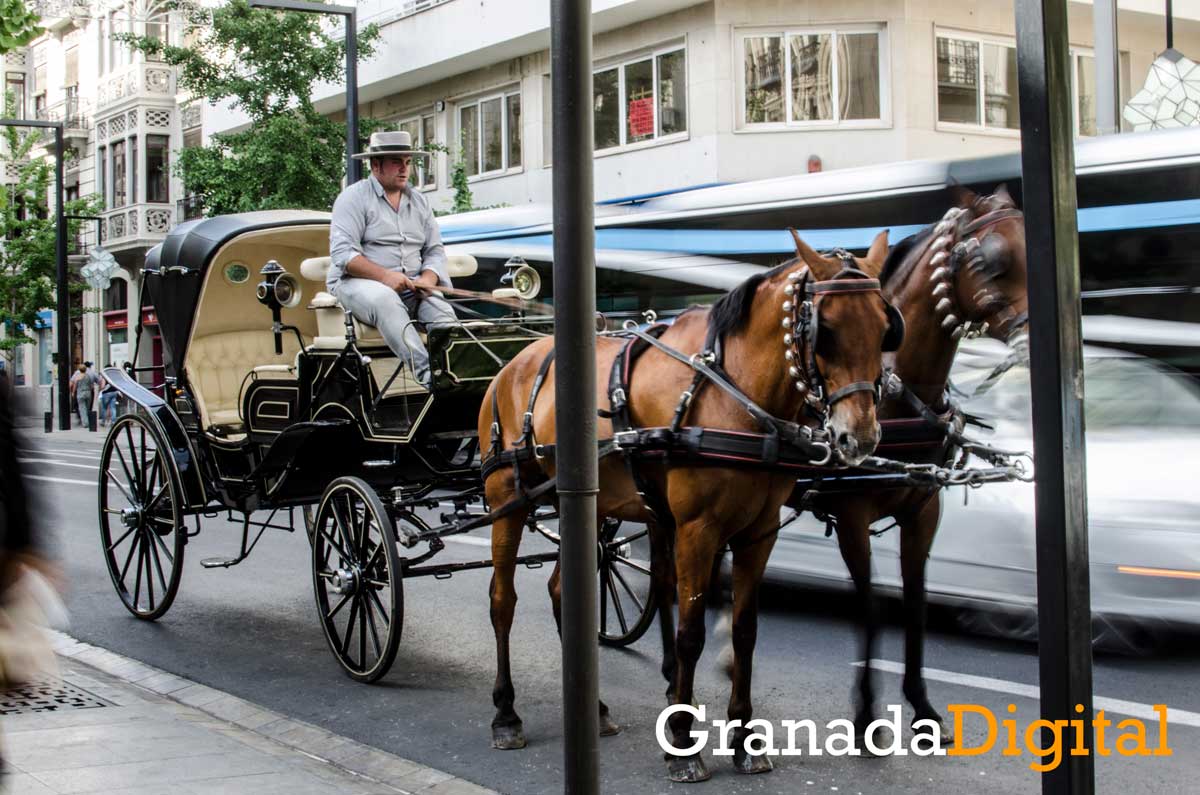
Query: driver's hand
{"points": [[398, 281]]}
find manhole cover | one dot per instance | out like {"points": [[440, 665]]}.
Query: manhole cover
{"points": [[47, 697]]}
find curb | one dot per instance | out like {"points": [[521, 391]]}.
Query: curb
{"points": [[379, 767]]}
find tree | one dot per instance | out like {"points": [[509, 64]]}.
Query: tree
{"points": [[18, 25], [266, 64], [28, 269]]}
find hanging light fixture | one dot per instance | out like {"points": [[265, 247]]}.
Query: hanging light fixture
{"points": [[1171, 94]]}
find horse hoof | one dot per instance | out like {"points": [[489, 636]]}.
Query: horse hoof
{"points": [[947, 736], [687, 769], [608, 727], [751, 765], [508, 738]]}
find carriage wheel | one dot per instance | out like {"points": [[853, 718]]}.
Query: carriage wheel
{"points": [[627, 603], [141, 525], [357, 579]]}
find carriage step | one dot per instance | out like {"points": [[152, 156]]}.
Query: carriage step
{"points": [[220, 563]]}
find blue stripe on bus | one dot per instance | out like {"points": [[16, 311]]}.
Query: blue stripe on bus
{"points": [[719, 242]]}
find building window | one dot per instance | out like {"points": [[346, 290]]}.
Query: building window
{"points": [[158, 172], [491, 134], [101, 169], [133, 170], [421, 129], [45, 368], [118, 174], [640, 100], [158, 27], [19, 365], [991, 102], [813, 77], [14, 83]]}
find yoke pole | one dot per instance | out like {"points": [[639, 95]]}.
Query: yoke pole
{"points": [[575, 386]]}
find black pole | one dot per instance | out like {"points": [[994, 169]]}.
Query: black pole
{"points": [[575, 385], [353, 172], [63, 308], [351, 15], [63, 319], [1170, 27], [1056, 370]]}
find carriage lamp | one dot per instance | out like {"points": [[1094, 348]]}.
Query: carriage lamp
{"points": [[277, 291], [522, 277]]}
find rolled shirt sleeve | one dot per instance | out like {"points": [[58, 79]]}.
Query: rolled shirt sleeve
{"points": [[347, 229]]}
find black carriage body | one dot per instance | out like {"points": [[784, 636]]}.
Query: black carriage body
{"points": [[249, 434]]}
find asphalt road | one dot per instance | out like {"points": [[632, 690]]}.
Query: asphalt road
{"points": [[253, 631]]}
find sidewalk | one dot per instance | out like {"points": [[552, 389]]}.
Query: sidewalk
{"points": [[116, 726]]}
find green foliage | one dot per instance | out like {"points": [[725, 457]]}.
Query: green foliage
{"points": [[18, 25], [27, 261], [266, 64]]}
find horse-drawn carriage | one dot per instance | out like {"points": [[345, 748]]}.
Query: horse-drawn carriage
{"points": [[274, 399]]}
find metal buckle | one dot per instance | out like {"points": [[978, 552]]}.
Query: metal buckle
{"points": [[618, 396], [625, 438]]}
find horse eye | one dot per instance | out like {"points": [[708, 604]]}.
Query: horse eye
{"points": [[826, 341]]}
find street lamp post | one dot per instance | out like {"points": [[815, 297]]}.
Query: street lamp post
{"points": [[60, 259], [351, 14]]}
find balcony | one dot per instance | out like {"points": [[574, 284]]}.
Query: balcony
{"points": [[137, 81], [188, 208], [136, 225]]}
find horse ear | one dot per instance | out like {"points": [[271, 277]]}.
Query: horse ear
{"points": [[821, 266], [877, 254], [1002, 194], [963, 196]]}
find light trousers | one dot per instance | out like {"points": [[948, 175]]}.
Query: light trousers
{"points": [[375, 304]]}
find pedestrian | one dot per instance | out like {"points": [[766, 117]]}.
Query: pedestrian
{"points": [[814, 164], [75, 376], [386, 251], [85, 392], [108, 400]]}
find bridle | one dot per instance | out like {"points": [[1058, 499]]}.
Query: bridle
{"points": [[957, 248], [801, 323]]}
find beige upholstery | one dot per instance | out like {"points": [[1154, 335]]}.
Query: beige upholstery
{"points": [[217, 365]]}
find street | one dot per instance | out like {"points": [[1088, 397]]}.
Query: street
{"points": [[252, 631]]}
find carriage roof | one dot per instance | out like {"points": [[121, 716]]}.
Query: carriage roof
{"points": [[177, 267]]}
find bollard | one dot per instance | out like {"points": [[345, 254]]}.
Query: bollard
{"points": [[92, 421], [48, 418]]}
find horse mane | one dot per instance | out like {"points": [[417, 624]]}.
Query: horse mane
{"points": [[730, 312], [900, 252]]}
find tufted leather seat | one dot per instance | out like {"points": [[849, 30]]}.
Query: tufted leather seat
{"points": [[218, 364]]}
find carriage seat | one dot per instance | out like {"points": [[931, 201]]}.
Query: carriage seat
{"points": [[331, 333], [218, 365]]}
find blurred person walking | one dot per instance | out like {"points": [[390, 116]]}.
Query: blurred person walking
{"points": [[108, 400]]}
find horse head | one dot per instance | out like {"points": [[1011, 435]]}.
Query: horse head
{"points": [[836, 323], [979, 267]]}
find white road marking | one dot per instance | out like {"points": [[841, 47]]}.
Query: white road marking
{"points": [[55, 463], [62, 480], [51, 451], [469, 540], [1179, 717]]}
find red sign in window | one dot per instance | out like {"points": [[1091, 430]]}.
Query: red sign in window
{"points": [[641, 117]]}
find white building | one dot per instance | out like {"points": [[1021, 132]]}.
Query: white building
{"points": [[124, 121], [689, 93]]}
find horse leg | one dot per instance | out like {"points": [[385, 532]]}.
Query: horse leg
{"points": [[854, 540], [917, 531], [749, 561], [662, 580], [507, 730], [607, 726], [695, 548]]}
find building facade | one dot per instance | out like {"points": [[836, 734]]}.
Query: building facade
{"points": [[689, 93], [124, 121]]}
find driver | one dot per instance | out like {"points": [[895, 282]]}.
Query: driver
{"points": [[387, 253]]}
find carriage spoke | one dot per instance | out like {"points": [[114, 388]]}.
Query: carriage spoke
{"points": [[603, 603], [617, 605], [374, 630], [333, 544], [158, 540], [632, 564], [124, 466], [137, 589], [629, 539], [149, 577], [143, 475], [114, 544], [158, 564], [121, 486], [154, 501], [336, 608], [621, 579], [325, 574], [136, 477], [350, 627], [379, 606], [137, 540], [343, 533], [362, 630]]}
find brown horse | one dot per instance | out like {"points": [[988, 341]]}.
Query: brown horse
{"points": [[968, 270], [708, 506]]}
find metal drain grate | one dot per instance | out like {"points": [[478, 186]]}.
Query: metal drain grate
{"points": [[47, 697]]}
